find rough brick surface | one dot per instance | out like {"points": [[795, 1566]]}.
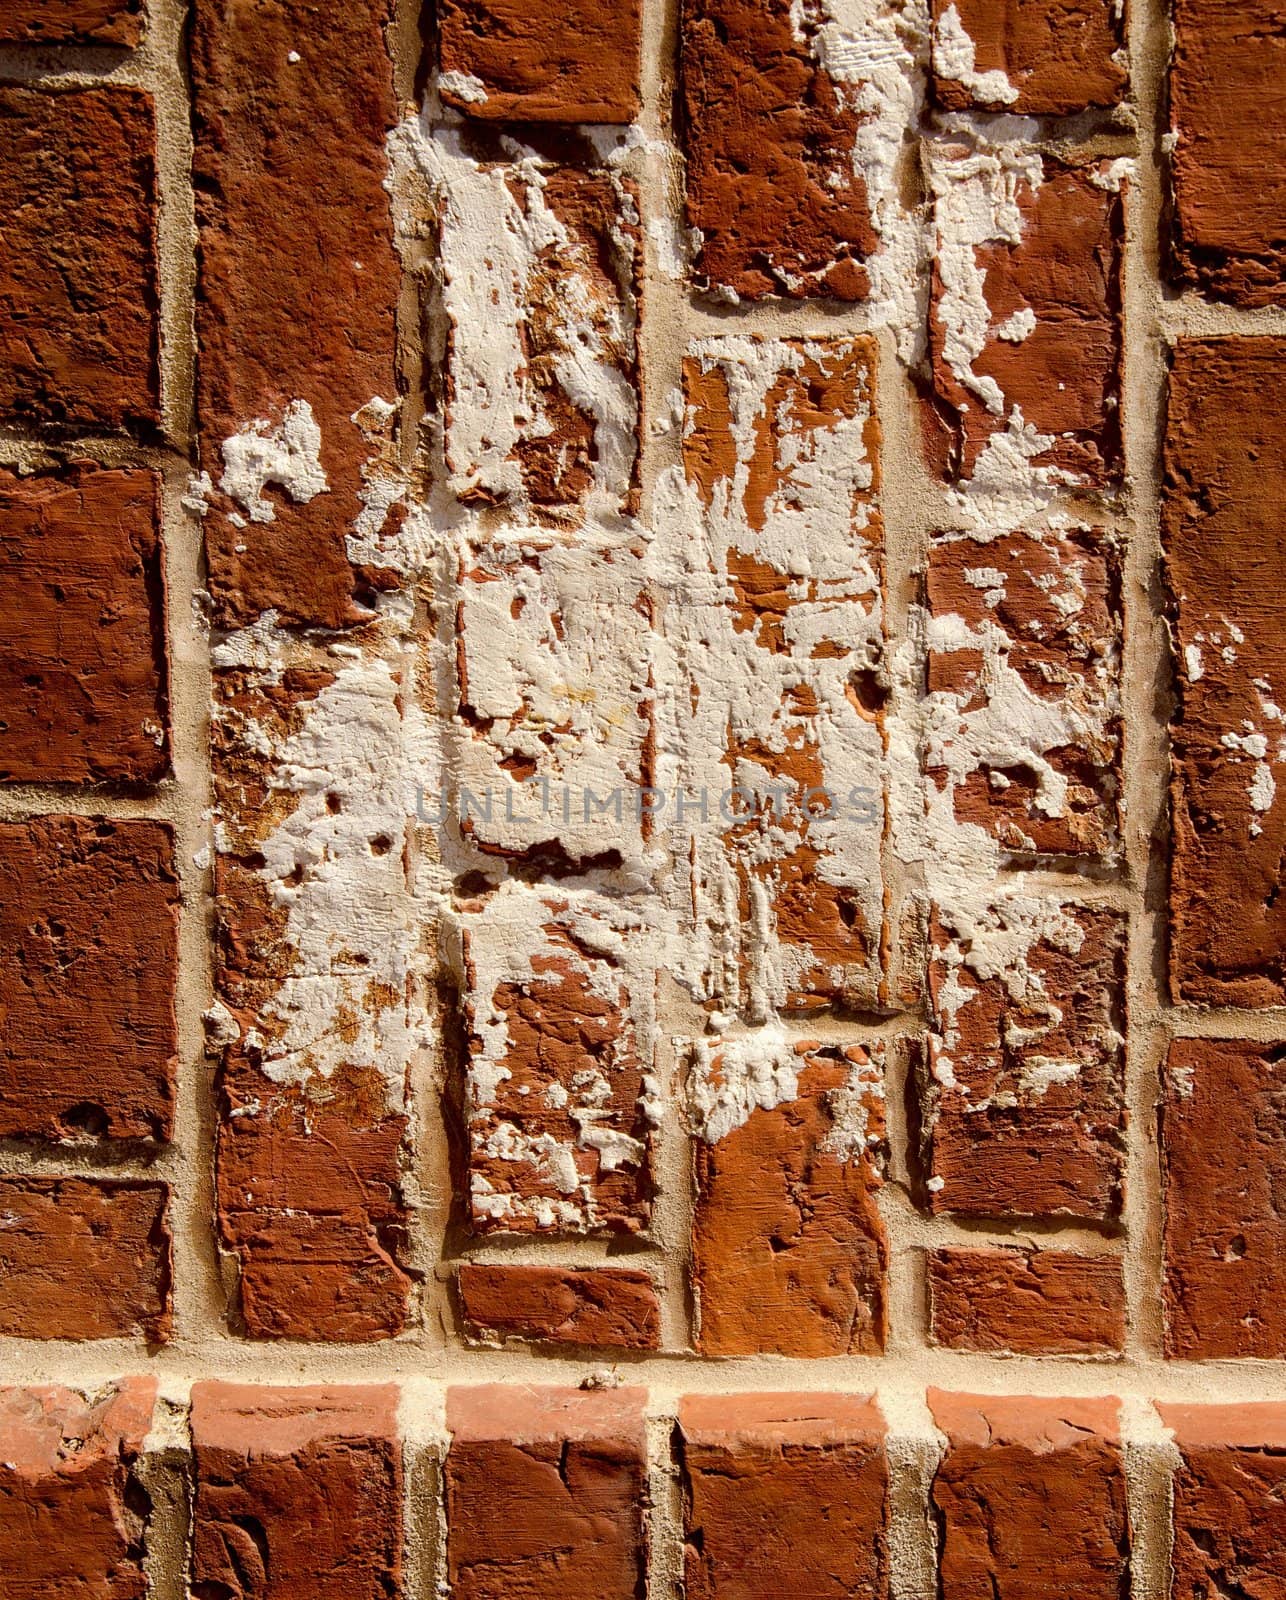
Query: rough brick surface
{"points": [[84, 1259], [545, 1490], [83, 670], [296, 299], [1023, 679], [118, 22], [608, 1307], [1028, 1302], [777, 631], [88, 964], [1031, 57], [1225, 476], [1022, 1104], [78, 296], [1229, 1500], [769, 136], [1223, 1142], [1030, 1497], [72, 1511], [788, 1247], [559, 1093], [1228, 113], [783, 1493], [1025, 333], [298, 1492], [318, 1018], [541, 270], [500, 59]]}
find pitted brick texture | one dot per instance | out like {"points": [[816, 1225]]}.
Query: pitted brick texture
{"points": [[1028, 1302], [109, 22], [1029, 57], [611, 1308]]}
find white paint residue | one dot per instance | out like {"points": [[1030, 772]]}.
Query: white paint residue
{"points": [[954, 57], [464, 86], [1193, 662], [1018, 327], [731, 1078], [287, 455], [1112, 175]]}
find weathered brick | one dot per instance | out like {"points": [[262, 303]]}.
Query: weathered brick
{"points": [[769, 136], [609, 1307], [783, 1493], [73, 1513], [1030, 1498], [1026, 1301], [83, 670], [1228, 119], [1023, 681], [298, 1492], [1225, 479], [555, 689], [788, 1246], [78, 296], [1229, 1500], [1035, 58], [545, 1493], [88, 963], [1223, 1153], [321, 1009], [541, 276], [84, 1259], [559, 1097], [118, 22], [1025, 331], [500, 59], [1022, 1104], [775, 724], [296, 299]]}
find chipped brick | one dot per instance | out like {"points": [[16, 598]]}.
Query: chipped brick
{"points": [[118, 22], [78, 296], [788, 1247], [783, 1493], [1035, 58], [1029, 1489], [73, 1512], [1223, 1156], [1026, 1302], [1022, 1105], [500, 59], [607, 1307], [1225, 478], [84, 1259], [545, 1494]]}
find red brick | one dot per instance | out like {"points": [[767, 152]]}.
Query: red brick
{"points": [[83, 671], [783, 1494], [297, 295], [608, 1307], [1035, 58], [1223, 1149], [545, 1490], [118, 22], [782, 688], [1026, 1302], [298, 1492], [541, 270], [84, 1259], [1228, 113], [1022, 1106], [788, 1246], [72, 1510], [1032, 246], [318, 942], [769, 139], [1225, 479], [559, 1092], [1229, 1500], [88, 963], [1030, 1498], [501, 59], [1024, 671], [78, 295]]}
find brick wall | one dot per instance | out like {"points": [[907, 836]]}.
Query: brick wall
{"points": [[641, 666]]}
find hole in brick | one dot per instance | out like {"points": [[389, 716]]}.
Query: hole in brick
{"points": [[381, 844], [868, 694], [87, 1118], [334, 804]]}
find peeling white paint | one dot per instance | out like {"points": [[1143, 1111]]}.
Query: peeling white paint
{"points": [[954, 57], [286, 454]]}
